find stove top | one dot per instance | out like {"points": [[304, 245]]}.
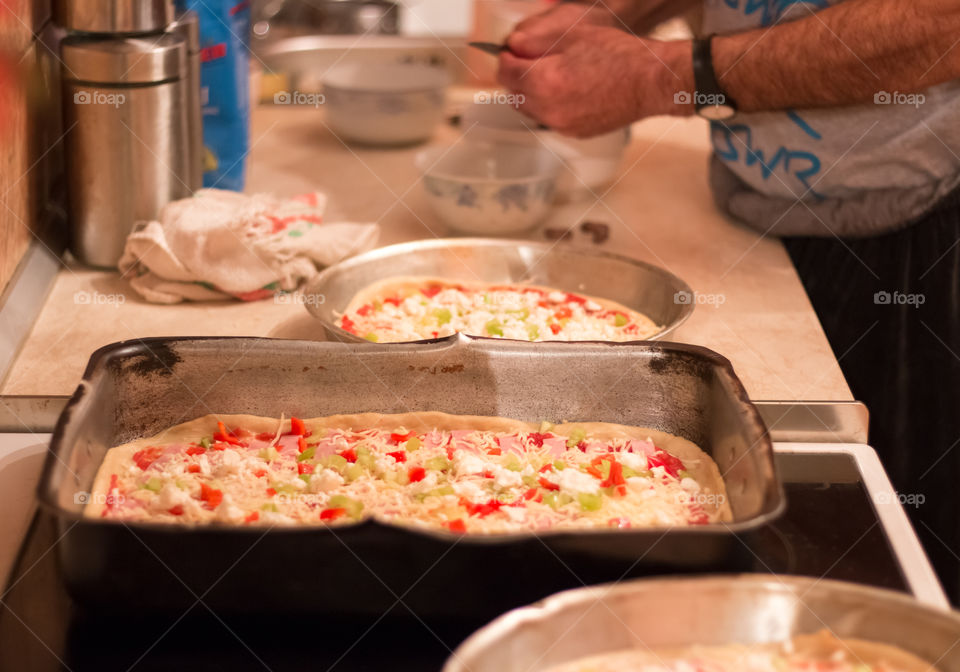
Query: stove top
{"points": [[835, 526]]}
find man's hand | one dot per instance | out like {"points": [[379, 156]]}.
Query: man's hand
{"points": [[586, 79]]}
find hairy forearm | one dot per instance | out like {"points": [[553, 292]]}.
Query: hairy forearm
{"points": [[842, 55]]}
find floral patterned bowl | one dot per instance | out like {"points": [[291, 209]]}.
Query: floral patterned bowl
{"points": [[489, 189]]}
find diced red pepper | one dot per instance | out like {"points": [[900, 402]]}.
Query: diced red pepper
{"points": [[301, 444], [271, 492], [196, 450], [435, 334], [176, 510], [398, 455], [363, 311], [547, 485], [487, 474], [495, 451], [297, 426], [260, 473], [252, 517], [700, 518], [531, 493], [457, 525], [632, 328], [223, 435], [536, 438], [616, 476], [193, 469], [416, 474], [431, 291], [545, 468], [332, 514], [395, 300], [219, 445], [349, 454], [265, 436], [347, 324], [304, 468], [211, 496], [555, 328], [593, 471], [582, 446], [671, 464], [482, 510], [450, 452], [398, 438], [573, 298], [144, 458], [563, 313], [621, 523]]}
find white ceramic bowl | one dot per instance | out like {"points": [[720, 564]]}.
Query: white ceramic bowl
{"points": [[489, 189], [590, 163], [384, 104]]}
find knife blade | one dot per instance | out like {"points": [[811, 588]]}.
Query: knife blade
{"points": [[491, 48]]}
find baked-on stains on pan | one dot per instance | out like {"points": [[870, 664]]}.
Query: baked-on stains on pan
{"points": [[158, 358]]}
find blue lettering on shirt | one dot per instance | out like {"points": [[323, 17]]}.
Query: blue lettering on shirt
{"points": [[772, 10]]}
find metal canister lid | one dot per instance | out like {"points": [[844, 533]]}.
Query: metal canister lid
{"points": [[132, 60], [114, 16], [187, 24]]}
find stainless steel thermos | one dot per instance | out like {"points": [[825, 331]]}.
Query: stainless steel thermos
{"points": [[131, 130]]}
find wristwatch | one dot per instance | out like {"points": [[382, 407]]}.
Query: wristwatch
{"points": [[710, 100]]}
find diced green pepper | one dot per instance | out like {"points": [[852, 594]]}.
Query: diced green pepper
{"points": [[154, 484], [269, 453], [439, 463], [305, 478], [412, 444], [545, 426], [530, 481], [577, 434], [683, 473], [353, 507], [335, 462], [205, 442], [550, 499], [372, 337], [441, 491], [513, 463], [308, 454], [620, 320], [494, 328], [352, 472], [533, 332], [269, 507], [443, 316], [590, 502], [559, 465]]}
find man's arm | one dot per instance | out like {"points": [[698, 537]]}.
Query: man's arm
{"points": [[842, 55], [589, 79]]}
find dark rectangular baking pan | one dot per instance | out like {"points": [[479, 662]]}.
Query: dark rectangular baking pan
{"points": [[137, 388]]}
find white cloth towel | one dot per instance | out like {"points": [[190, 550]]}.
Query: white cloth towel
{"points": [[221, 244]]}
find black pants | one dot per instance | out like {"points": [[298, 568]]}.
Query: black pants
{"points": [[890, 306]]}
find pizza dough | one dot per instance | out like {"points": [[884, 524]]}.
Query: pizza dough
{"points": [[427, 469], [412, 309], [821, 651]]}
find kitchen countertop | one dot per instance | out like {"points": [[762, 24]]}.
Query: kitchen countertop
{"points": [[660, 211]]}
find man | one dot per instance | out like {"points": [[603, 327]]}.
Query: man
{"points": [[836, 124]]}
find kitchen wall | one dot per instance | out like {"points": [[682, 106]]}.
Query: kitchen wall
{"points": [[29, 129]]}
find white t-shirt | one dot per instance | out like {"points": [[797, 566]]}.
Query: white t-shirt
{"points": [[859, 170]]}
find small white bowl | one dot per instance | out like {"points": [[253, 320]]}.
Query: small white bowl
{"points": [[384, 104], [591, 163], [489, 189]]}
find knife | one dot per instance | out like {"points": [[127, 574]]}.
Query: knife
{"points": [[491, 48]]}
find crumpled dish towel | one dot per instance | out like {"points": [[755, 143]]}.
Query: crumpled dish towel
{"points": [[221, 244]]}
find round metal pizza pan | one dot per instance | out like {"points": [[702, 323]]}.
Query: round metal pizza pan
{"points": [[709, 610], [648, 289]]}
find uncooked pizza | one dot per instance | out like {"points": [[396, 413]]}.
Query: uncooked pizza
{"points": [[413, 309], [822, 652], [431, 470]]}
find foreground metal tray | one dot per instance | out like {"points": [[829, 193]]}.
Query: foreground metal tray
{"points": [[658, 294], [672, 612], [136, 389]]}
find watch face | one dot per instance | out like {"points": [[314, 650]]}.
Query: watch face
{"points": [[716, 112]]}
